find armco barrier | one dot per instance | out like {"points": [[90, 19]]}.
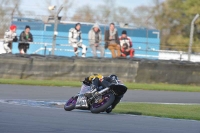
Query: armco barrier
{"points": [[66, 68]]}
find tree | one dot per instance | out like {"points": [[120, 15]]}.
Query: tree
{"points": [[66, 4], [7, 13], [121, 15], [142, 17], [105, 11], [84, 14], [173, 18]]}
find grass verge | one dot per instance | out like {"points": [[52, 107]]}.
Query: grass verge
{"points": [[41, 82], [160, 87], [160, 110], [164, 87]]}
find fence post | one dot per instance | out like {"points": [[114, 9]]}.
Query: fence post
{"points": [[45, 49], [55, 28], [147, 34], [181, 53], [191, 36]]}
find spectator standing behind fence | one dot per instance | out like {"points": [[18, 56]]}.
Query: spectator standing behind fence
{"points": [[24, 38], [75, 40], [95, 40], [126, 45], [112, 41], [10, 36]]}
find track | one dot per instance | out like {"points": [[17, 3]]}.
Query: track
{"points": [[63, 93], [28, 119]]}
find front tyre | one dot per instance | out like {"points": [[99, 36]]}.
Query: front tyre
{"points": [[108, 99], [70, 104]]}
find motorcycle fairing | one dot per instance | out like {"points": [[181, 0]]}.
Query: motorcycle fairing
{"points": [[81, 102]]}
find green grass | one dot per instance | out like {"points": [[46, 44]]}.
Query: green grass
{"points": [[140, 86], [41, 82], [160, 110], [164, 87]]}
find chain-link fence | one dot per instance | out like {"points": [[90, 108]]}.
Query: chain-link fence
{"points": [[145, 38]]}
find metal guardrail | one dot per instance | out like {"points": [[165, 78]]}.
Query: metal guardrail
{"points": [[163, 54]]}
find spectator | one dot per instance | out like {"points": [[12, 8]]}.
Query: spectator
{"points": [[112, 41], [25, 37], [75, 40], [126, 45], [95, 40], [9, 37]]}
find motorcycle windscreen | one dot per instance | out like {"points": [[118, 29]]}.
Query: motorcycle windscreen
{"points": [[84, 89]]}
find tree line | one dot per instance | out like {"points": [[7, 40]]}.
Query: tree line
{"points": [[172, 17]]}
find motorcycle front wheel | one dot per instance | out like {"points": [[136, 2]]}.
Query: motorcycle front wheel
{"points": [[107, 100], [70, 104]]}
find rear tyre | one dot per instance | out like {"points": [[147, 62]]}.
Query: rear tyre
{"points": [[70, 104], [101, 107]]}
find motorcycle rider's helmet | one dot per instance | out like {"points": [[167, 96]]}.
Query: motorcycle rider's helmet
{"points": [[95, 76], [113, 77]]}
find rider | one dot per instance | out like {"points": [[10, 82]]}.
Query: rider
{"points": [[98, 82], [75, 40]]}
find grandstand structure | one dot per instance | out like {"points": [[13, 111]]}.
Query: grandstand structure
{"points": [[146, 42]]}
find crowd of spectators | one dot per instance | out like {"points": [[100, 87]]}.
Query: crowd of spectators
{"points": [[119, 46]]}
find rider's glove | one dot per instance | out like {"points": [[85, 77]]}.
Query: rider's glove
{"points": [[14, 35], [93, 87], [86, 81]]}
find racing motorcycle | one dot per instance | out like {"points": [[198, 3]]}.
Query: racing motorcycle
{"points": [[96, 102]]}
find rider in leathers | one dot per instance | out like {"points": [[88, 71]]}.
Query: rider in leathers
{"points": [[75, 40], [97, 81], [10, 36]]}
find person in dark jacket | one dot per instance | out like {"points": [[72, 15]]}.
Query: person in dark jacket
{"points": [[24, 38], [112, 41]]}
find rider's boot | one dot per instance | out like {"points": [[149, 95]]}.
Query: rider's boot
{"points": [[116, 101], [109, 109], [84, 55]]}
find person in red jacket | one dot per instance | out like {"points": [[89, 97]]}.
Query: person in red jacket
{"points": [[126, 45]]}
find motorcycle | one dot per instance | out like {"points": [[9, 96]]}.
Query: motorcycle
{"points": [[96, 102]]}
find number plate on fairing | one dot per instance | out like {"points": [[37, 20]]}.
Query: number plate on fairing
{"points": [[81, 101]]}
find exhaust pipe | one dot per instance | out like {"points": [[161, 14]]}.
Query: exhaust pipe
{"points": [[104, 90]]}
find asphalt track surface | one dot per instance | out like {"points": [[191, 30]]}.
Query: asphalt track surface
{"points": [[64, 93], [27, 119]]}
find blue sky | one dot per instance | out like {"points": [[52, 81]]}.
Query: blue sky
{"points": [[40, 6]]}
